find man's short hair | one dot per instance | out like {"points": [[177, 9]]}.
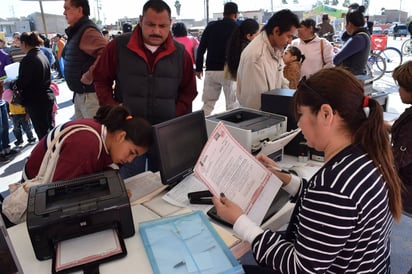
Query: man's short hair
{"points": [[127, 27], [284, 19], [84, 4], [158, 6], [230, 8]]}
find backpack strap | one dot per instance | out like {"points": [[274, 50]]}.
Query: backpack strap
{"points": [[321, 51], [54, 142]]}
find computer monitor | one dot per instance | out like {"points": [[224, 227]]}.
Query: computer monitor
{"points": [[178, 144], [8, 259]]}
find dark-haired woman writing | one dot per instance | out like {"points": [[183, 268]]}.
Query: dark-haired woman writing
{"points": [[343, 215], [34, 84], [123, 137]]}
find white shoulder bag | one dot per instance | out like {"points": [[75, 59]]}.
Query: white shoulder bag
{"points": [[15, 205]]}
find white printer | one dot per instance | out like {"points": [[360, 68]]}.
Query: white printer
{"points": [[251, 128]]}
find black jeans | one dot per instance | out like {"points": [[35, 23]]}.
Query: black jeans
{"points": [[41, 117]]}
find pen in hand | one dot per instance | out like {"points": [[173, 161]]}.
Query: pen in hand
{"points": [[279, 169]]}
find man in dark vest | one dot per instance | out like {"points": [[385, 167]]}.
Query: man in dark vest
{"points": [[84, 45], [153, 74]]}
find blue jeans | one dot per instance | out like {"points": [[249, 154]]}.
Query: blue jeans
{"points": [[4, 127], [19, 121]]}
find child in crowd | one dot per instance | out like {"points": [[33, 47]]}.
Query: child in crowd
{"points": [[293, 59], [20, 119], [56, 91], [402, 133]]}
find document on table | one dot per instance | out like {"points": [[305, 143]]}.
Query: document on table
{"points": [[177, 196], [226, 166], [86, 249]]}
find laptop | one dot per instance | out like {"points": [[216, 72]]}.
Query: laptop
{"points": [[179, 143], [8, 258]]}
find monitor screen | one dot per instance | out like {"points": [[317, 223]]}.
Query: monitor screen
{"points": [[179, 143]]}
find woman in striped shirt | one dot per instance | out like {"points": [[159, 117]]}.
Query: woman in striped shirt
{"points": [[343, 215]]}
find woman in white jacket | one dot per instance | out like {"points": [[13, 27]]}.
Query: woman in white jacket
{"points": [[318, 51]]}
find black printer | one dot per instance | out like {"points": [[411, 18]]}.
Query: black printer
{"points": [[66, 209]]}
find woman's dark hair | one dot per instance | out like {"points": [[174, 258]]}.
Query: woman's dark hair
{"points": [[46, 41], [295, 51], [284, 19], [403, 76], [344, 93], [84, 4], [310, 23], [356, 17], [137, 129], [31, 38], [237, 42], [179, 29]]}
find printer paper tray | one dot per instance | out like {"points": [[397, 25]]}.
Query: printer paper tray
{"points": [[88, 251]]}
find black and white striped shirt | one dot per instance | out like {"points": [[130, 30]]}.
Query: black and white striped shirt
{"points": [[341, 222]]}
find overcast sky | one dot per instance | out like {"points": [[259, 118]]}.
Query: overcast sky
{"points": [[111, 10]]}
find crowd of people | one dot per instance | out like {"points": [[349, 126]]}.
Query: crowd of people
{"points": [[124, 84]]}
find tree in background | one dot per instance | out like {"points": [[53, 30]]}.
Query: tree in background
{"points": [[178, 6], [346, 3]]}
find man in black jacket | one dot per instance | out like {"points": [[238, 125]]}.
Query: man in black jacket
{"points": [[214, 40], [84, 45]]}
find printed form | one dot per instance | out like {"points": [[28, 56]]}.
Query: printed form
{"points": [[226, 166]]}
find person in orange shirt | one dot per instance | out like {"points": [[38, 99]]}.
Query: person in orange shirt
{"points": [[59, 44]]}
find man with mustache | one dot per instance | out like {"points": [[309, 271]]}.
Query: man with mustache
{"points": [[153, 74]]}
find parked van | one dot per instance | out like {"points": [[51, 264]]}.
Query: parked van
{"points": [[402, 30]]}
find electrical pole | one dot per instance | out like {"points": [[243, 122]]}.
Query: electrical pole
{"points": [[98, 12], [207, 11], [42, 15]]}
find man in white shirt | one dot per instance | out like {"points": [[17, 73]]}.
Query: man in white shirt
{"points": [[261, 64]]}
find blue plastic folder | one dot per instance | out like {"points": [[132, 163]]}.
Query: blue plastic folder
{"points": [[186, 244]]}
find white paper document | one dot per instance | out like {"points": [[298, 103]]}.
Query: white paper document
{"points": [[281, 141], [226, 166], [143, 187], [177, 196], [87, 248]]}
